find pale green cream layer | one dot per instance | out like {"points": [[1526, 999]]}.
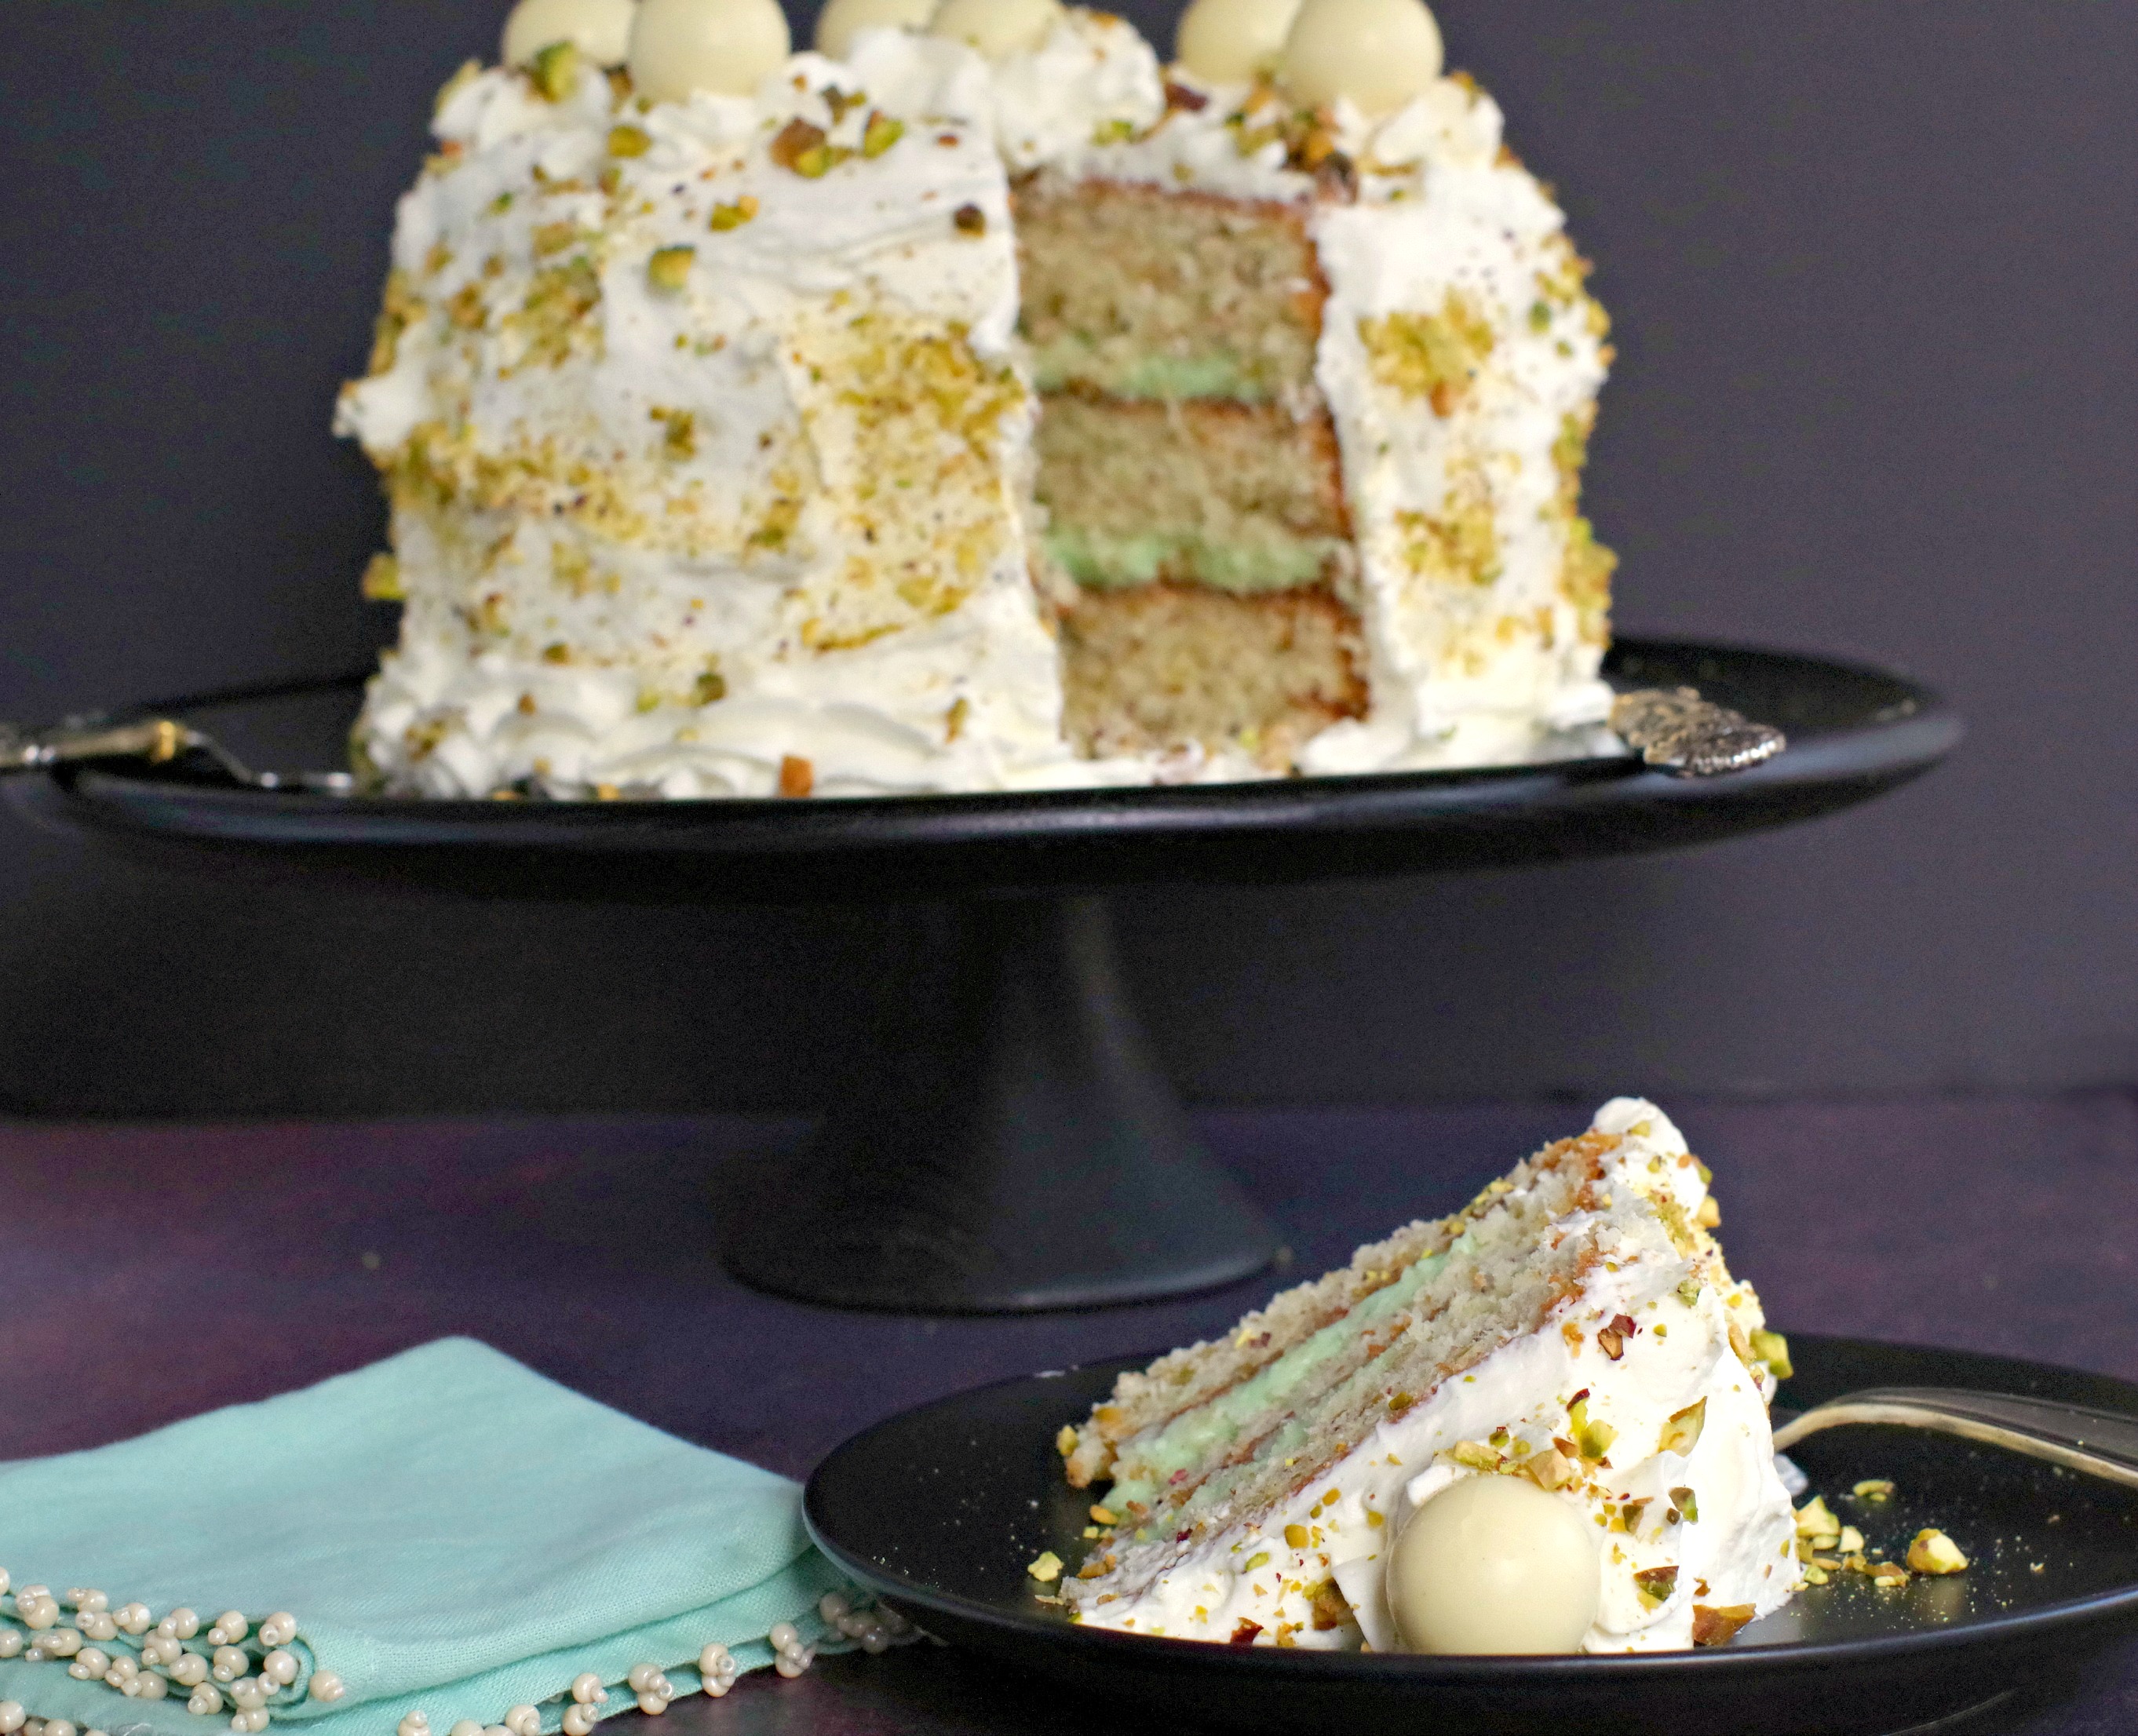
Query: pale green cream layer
{"points": [[1188, 1440], [1107, 562], [1068, 361]]}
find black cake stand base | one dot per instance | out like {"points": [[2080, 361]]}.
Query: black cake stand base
{"points": [[1004, 1142]]}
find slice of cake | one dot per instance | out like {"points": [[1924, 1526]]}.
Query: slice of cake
{"points": [[1574, 1327], [987, 407]]}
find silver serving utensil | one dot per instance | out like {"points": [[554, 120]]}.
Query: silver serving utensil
{"points": [[1678, 732], [2099, 1443], [158, 740]]}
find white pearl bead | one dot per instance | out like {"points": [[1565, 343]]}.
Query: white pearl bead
{"points": [[58, 1727], [150, 1685], [62, 1642], [839, 20], [495, 1729], [653, 1705], [641, 1675], [190, 1671], [579, 1719], [250, 1691], [99, 1626], [997, 28], [524, 1721], [1234, 41], [231, 1628], [34, 1726], [204, 1702], [123, 1670], [135, 1618], [465, 1727], [279, 1629], [599, 29], [5, 1582], [831, 1606], [230, 1663], [784, 1634], [90, 1664], [279, 1666], [791, 1663], [587, 1688], [1380, 53], [414, 1725], [727, 46], [162, 1648], [42, 1614], [714, 1659], [87, 1598], [11, 1643], [326, 1686], [251, 1722], [876, 1642], [183, 1623]]}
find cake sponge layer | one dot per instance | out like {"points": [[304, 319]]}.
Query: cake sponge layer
{"points": [[1160, 666], [1241, 496], [1145, 293]]}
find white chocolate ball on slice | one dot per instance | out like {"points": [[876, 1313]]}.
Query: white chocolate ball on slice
{"points": [[1380, 53], [1234, 41], [997, 28], [1494, 1564], [725, 46], [838, 23], [599, 29]]}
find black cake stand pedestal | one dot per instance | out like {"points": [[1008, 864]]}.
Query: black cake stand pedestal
{"points": [[1004, 1143]]}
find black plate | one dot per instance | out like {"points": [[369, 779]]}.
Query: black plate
{"points": [[1853, 733], [939, 1509]]}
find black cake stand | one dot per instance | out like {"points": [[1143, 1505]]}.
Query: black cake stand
{"points": [[1008, 1145]]}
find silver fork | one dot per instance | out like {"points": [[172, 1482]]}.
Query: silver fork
{"points": [[2099, 1443], [158, 740]]}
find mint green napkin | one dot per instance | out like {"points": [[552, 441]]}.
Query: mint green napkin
{"points": [[451, 1532]]}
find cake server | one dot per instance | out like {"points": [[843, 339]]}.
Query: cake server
{"points": [[2099, 1443], [159, 740]]}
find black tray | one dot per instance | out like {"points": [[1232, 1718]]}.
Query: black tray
{"points": [[939, 1511]]}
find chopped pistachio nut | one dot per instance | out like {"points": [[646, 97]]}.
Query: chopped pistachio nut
{"points": [[734, 216], [556, 71], [1815, 1519], [1718, 1627], [1772, 1349], [1815, 1574], [880, 134], [1592, 1436], [1873, 1489], [1933, 1551], [1709, 1216], [1113, 131], [1259, 1559], [382, 579], [1295, 1536], [1681, 1433], [803, 148], [669, 270], [1850, 1541], [1104, 1516], [1475, 1456], [1655, 1585], [1065, 1443], [1047, 1569], [1688, 1292], [1687, 1505], [970, 220], [628, 140]]}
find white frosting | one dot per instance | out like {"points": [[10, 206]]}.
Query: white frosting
{"points": [[667, 564], [1738, 1552]]}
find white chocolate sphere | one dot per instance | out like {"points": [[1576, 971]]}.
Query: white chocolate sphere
{"points": [[1234, 41], [599, 29], [1494, 1564], [838, 23], [997, 28], [1380, 53], [727, 46]]}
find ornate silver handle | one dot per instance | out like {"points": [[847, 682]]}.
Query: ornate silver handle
{"points": [[158, 740], [2099, 1443], [1677, 731]]}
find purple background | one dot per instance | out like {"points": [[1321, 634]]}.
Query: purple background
{"points": [[1872, 269]]}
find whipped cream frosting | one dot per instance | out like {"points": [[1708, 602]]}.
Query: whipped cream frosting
{"points": [[710, 456], [1686, 1516]]}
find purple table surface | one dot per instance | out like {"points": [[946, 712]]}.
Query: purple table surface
{"points": [[148, 1273]]}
